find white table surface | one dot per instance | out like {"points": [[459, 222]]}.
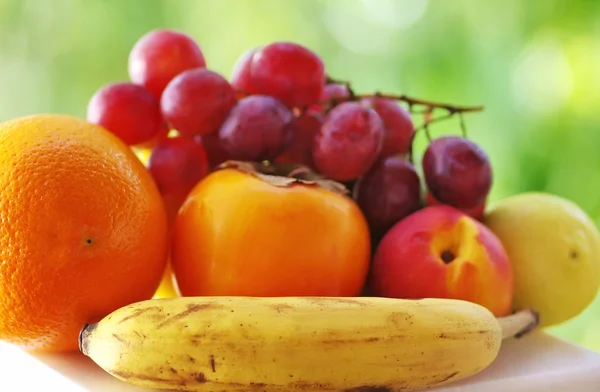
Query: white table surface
{"points": [[538, 362]]}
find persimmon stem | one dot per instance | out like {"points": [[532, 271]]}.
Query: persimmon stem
{"points": [[285, 175]]}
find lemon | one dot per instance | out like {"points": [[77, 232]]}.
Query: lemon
{"points": [[554, 249], [168, 285], [143, 154]]}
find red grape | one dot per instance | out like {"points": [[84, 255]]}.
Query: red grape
{"points": [[256, 129], [334, 90], [349, 141], [177, 164], [289, 72], [388, 192], [399, 127], [330, 92], [215, 151], [304, 128], [457, 171], [160, 55], [127, 110], [197, 101], [241, 78]]}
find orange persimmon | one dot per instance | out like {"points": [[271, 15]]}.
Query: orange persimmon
{"points": [[241, 232]]}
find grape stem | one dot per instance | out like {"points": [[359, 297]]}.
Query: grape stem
{"points": [[430, 104], [427, 111], [411, 101]]}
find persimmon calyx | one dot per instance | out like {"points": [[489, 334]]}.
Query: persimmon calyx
{"points": [[285, 175]]}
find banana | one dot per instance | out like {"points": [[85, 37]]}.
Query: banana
{"points": [[214, 344]]}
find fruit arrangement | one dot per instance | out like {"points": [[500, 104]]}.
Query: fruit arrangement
{"points": [[276, 229]]}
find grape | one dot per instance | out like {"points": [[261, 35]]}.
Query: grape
{"points": [[334, 90], [457, 171], [289, 72], [388, 192], [399, 127], [197, 101], [256, 129], [127, 110], [349, 141], [329, 94], [177, 164], [303, 129], [214, 149], [241, 78], [160, 55]]}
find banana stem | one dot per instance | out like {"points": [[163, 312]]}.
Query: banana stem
{"points": [[519, 324]]}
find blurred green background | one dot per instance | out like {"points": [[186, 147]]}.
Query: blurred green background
{"points": [[535, 65]]}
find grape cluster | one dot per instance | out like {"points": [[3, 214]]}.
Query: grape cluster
{"points": [[280, 106]]}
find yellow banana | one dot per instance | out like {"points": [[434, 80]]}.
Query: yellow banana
{"points": [[297, 343]]}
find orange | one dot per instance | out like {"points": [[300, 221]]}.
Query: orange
{"points": [[83, 230], [242, 234]]}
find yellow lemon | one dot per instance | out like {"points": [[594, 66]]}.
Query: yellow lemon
{"points": [[143, 154], [168, 285], [554, 249]]}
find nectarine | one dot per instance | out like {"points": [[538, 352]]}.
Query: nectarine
{"points": [[441, 252]]}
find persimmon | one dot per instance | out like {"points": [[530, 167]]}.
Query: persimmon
{"points": [[259, 230]]}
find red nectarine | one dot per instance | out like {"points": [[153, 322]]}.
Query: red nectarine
{"points": [[441, 252]]}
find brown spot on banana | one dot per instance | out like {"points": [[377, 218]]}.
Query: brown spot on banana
{"points": [[333, 300], [212, 363], [280, 307], [138, 313], [462, 335], [441, 379], [199, 377], [309, 386], [192, 308], [120, 339], [398, 320], [447, 378], [126, 376], [370, 388], [343, 341]]}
